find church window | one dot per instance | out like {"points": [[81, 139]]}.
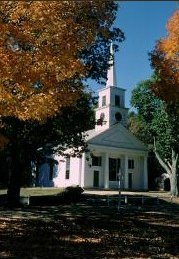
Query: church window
{"points": [[96, 161], [104, 100], [130, 164], [117, 100], [67, 175]]}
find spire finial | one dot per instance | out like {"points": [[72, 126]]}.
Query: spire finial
{"points": [[111, 74]]}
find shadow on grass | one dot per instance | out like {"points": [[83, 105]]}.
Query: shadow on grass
{"points": [[90, 229]]}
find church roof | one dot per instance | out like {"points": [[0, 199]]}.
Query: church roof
{"points": [[116, 136]]}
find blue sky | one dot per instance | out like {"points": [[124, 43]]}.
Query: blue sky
{"points": [[143, 22]]}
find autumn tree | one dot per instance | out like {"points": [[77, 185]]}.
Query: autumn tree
{"points": [[165, 61], [47, 51]]}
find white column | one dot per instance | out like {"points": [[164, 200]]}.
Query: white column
{"points": [[106, 171], [83, 170], [126, 172], [145, 173]]}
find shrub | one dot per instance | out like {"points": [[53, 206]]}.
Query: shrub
{"points": [[73, 193]]}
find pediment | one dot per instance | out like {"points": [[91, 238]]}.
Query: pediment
{"points": [[116, 136]]}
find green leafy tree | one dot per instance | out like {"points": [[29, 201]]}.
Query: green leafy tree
{"points": [[140, 124], [154, 122], [146, 105], [165, 127]]}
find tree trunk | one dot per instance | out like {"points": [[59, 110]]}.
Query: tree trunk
{"points": [[14, 182], [173, 182], [171, 170]]}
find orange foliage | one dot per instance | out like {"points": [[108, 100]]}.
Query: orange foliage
{"points": [[165, 61], [39, 43]]}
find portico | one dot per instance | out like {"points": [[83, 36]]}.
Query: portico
{"points": [[117, 166]]}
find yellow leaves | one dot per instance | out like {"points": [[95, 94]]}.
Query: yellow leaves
{"points": [[39, 45], [172, 25], [36, 105], [170, 44], [165, 61]]}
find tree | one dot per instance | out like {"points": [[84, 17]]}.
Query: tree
{"points": [[165, 61], [153, 121], [48, 50], [36, 140], [146, 105], [49, 42], [140, 124], [166, 149]]}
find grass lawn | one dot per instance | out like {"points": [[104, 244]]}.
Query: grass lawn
{"points": [[36, 191], [90, 229], [40, 191]]}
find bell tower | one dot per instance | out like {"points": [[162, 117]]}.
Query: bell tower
{"points": [[111, 104]]}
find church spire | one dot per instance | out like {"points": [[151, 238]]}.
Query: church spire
{"points": [[111, 74]]}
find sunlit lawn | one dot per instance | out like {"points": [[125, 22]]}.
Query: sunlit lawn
{"points": [[37, 191], [40, 191]]}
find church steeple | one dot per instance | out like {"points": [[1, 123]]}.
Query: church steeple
{"points": [[111, 105], [111, 74]]}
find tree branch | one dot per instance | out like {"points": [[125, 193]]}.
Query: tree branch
{"points": [[162, 163], [169, 165], [174, 157]]}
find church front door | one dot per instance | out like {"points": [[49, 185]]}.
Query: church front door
{"points": [[96, 178]]}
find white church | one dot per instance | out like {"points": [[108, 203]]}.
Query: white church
{"points": [[115, 159]]}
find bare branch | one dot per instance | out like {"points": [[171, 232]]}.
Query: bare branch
{"points": [[162, 163]]}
